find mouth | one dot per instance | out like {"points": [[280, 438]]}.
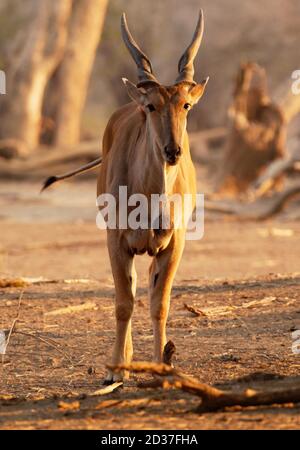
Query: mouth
{"points": [[172, 161], [172, 158]]}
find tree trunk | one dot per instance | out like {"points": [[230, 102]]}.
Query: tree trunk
{"points": [[38, 49], [67, 91], [257, 135]]}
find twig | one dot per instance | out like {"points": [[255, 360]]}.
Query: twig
{"points": [[50, 344], [107, 389], [32, 335], [197, 312], [13, 325]]}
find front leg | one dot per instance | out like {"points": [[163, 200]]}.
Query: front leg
{"points": [[162, 273], [122, 264]]}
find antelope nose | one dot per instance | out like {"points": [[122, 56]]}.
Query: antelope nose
{"points": [[172, 153]]}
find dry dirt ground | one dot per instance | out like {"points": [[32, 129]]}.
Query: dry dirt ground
{"points": [[244, 276]]}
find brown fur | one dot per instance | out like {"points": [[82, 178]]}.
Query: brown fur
{"points": [[133, 156]]}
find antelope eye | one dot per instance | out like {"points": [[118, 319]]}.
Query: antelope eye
{"points": [[150, 107], [187, 106]]}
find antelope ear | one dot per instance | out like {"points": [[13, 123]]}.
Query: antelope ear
{"points": [[197, 91], [135, 93]]}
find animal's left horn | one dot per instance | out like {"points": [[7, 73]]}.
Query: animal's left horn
{"points": [[186, 62], [145, 72]]}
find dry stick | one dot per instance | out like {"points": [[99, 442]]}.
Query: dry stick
{"points": [[168, 371], [197, 312], [212, 398], [48, 339], [260, 209], [50, 344], [13, 325], [107, 389]]}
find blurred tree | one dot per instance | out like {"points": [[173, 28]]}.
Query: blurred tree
{"points": [[257, 134], [66, 94], [33, 53], [48, 67]]}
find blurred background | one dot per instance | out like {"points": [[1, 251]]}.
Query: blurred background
{"points": [[76, 46], [64, 61]]}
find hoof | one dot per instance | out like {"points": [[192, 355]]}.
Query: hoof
{"points": [[169, 352], [112, 378], [108, 382]]}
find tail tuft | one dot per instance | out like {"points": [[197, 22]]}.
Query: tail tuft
{"points": [[48, 182]]}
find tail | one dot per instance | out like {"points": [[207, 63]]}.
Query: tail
{"points": [[85, 168]]}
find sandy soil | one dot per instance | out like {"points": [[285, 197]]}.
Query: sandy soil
{"points": [[244, 276]]}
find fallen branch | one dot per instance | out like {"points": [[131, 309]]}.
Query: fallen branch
{"points": [[172, 378], [85, 152], [260, 209], [274, 171], [212, 399]]}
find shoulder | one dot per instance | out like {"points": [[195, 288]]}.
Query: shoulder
{"points": [[123, 121]]}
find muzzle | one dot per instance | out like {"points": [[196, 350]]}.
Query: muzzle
{"points": [[172, 154]]}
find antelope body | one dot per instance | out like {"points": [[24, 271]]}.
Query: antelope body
{"points": [[146, 149]]}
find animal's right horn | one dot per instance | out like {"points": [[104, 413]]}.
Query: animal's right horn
{"points": [[145, 72]]}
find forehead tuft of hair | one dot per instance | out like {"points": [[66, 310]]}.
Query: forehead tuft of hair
{"points": [[167, 92]]}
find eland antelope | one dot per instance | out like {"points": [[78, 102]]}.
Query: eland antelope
{"points": [[146, 149]]}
